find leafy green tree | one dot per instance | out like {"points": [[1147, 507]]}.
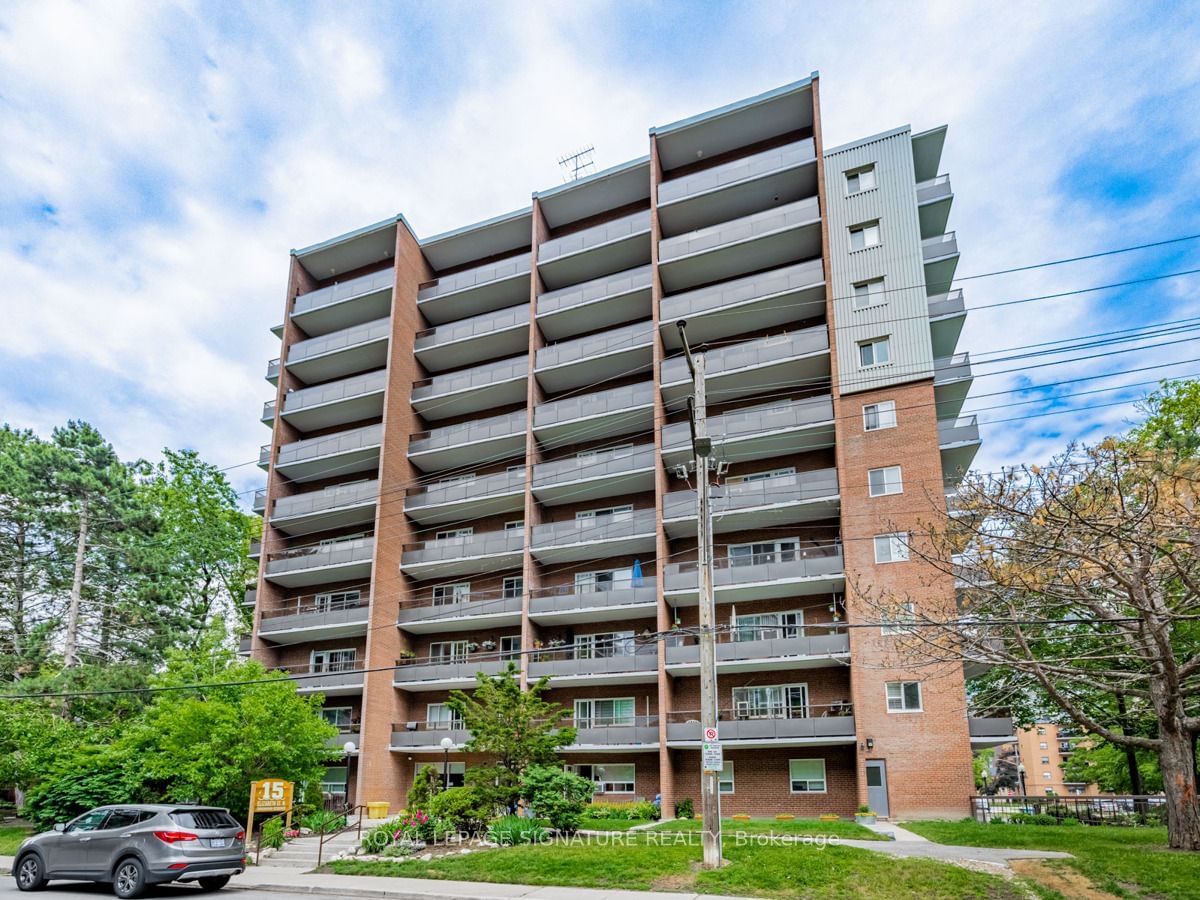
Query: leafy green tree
{"points": [[90, 776], [1108, 766], [1172, 418], [427, 783]]}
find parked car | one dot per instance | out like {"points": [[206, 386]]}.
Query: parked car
{"points": [[132, 847]]}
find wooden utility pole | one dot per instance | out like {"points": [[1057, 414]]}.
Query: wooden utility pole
{"points": [[710, 753]]}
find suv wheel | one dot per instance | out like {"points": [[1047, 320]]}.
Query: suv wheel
{"points": [[129, 880], [30, 876], [213, 884]]}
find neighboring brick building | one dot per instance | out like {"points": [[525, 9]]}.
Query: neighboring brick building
{"points": [[478, 448]]}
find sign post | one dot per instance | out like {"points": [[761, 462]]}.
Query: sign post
{"points": [[270, 795]]}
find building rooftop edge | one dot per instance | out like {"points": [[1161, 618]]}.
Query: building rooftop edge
{"points": [[736, 105], [892, 132]]}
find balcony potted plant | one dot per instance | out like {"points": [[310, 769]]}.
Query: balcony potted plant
{"points": [[865, 816], [488, 645], [406, 657]]}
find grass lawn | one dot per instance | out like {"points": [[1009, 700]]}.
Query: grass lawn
{"points": [[788, 871], [612, 824], [11, 837], [1128, 862], [841, 828]]}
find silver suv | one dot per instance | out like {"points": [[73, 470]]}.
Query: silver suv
{"points": [[131, 847]]}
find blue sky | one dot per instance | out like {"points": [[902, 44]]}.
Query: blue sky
{"points": [[158, 161]]}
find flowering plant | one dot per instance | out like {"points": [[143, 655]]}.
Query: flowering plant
{"points": [[413, 825]]}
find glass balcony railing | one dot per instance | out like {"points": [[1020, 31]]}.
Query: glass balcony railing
{"points": [[958, 431], [934, 189], [948, 304], [763, 643], [310, 613], [356, 335], [472, 432], [467, 379], [791, 565], [343, 291], [639, 334], [596, 236], [429, 607], [774, 160], [601, 464], [760, 352], [273, 371], [345, 389], [952, 368], [746, 228], [939, 247], [752, 421], [268, 411], [466, 490], [320, 556], [326, 499], [782, 489], [487, 543], [474, 327], [479, 276], [448, 668], [597, 404], [571, 598], [690, 304], [329, 445], [594, 529], [748, 723], [260, 500], [572, 661], [595, 290]]}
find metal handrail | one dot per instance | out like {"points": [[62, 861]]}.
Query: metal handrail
{"points": [[258, 845], [323, 837]]}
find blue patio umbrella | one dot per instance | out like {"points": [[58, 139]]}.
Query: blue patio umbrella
{"points": [[635, 577]]}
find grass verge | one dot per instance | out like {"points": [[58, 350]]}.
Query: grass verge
{"points": [[11, 837], [613, 824], [841, 829]]}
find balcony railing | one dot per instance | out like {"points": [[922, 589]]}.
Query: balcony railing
{"points": [[764, 163], [758, 352], [572, 598], [734, 231], [268, 411], [428, 608], [939, 247], [307, 604], [948, 304], [476, 277], [596, 236], [471, 432], [934, 189], [771, 642], [782, 489], [754, 420], [743, 290], [250, 597], [296, 559], [777, 566], [597, 289], [476, 326], [346, 290], [598, 465], [488, 543], [345, 389], [310, 612], [273, 370], [343, 674], [601, 403], [600, 731], [993, 727], [809, 723], [614, 341], [335, 497], [591, 530], [475, 377], [952, 368], [368, 332], [958, 431], [428, 734], [260, 500], [461, 491], [328, 445], [573, 661], [428, 668]]}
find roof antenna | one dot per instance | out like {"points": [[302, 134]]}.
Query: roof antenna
{"points": [[575, 165]]}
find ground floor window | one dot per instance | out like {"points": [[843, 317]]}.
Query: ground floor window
{"points": [[611, 778], [333, 782], [726, 779], [458, 772], [807, 776]]}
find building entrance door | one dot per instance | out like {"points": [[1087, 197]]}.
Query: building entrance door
{"points": [[877, 795]]}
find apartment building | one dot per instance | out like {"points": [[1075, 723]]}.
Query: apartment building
{"points": [[1043, 749], [479, 449]]}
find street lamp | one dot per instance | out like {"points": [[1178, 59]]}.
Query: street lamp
{"points": [[447, 746], [1021, 774]]}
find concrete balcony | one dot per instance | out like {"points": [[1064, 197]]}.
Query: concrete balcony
{"points": [[495, 334], [255, 550], [595, 358], [347, 560], [343, 454], [424, 737], [758, 432], [798, 359], [259, 504], [569, 666], [489, 551], [570, 604], [821, 727], [640, 733], [337, 506], [469, 443], [772, 502], [605, 473], [250, 597], [934, 198], [952, 379], [739, 188], [344, 737], [475, 291], [940, 254], [427, 674], [342, 305], [595, 538], [273, 371], [600, 303], [268, 413], [359, 348], [768, 651], [947, 315], [597, 251], [454, 501], [473, 390], [477, 610], [244, 646], [332, 680], [991, 732], [337, 403], [622, 410], [756, 302], [803, 572], [264, 456], [959, 441], [303, 619], [764, 240]]}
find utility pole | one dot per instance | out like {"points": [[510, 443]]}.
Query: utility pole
{"points": [[710, 753]]}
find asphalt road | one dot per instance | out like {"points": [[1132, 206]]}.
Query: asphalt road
{"points": [[83, 891]]}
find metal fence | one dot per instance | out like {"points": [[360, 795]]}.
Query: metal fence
{"points": [[1131, 810]]}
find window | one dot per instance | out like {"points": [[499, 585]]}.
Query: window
{"points": [[617, 778], [511, 469], [725, 782], [332, 660], [444, 594], [454, 534], [456, 770], [1045, 760], [596, 713], [604, 645], [903, 614], [510, 646], [334, 781], [859, 180], [890, 548], [342, 539], [457, 479], [903, 696], [877, 416], [121, 818], [865, 235], [513, 586], [1041, 730], [868, 293], [768, 626], [336, 600], [604, 453], [776, 701], [761, 476], [1043, 746], [764, 552], [515, 525], [448, 651], [337, 716], [876, 352], [608, 580], [807, 776], [603, 516], [887, 480], [439, 716], [1046, 776], [88, 821]]}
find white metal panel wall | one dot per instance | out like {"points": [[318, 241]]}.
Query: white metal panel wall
{"points": [[901, 313]]}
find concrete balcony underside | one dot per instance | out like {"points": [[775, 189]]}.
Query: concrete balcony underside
{"points": [[600, 303], [575, 540], [469, 443], [342, 305], [596, 358], [576, 607], [473, 390], [315, 626], [947, 315], [465, 615], [934, 199], [817, 732], [622, 410], [759, 432], [475, 291], [440, 676], [337, 403], [991, 732], [331, 684], [489, 495], [595, 252], [360, 348], [324, 510], [578, 479], [813, 574], [768, 655], [952, 379], [958, 441], [635, 668], [343, 454], [806, 497], [493, 335], [484, 552], [940, 255], [344, 561]]}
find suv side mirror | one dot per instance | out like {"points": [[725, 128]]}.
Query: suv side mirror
{"points": [[60, 827]]}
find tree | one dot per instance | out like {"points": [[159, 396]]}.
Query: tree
{"points": [[426, 783], [1172, 418], [1082, 580], [1107, 766], [556, 795]]}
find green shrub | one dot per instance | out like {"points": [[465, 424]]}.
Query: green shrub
{"points": [[1032, 819], [510, 830], [378, 838], [556, 795], [427, 783], [462, 808], [644, 810], [603, 810], [272, 834], [402, 847], [89, 778], [323, 821], [1069, 820], [684, 809]]}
